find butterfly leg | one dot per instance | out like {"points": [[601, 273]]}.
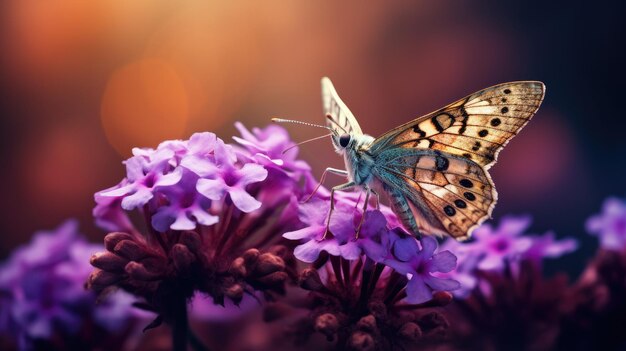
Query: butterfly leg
{"points": [[377, 198], [368, 191], [344, 186], [336, 171]]}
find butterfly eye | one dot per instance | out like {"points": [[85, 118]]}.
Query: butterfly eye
{"points": [[344, 140]]}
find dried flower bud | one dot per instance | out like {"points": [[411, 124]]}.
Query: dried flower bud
{"points": [[269, 263], [111, 239], [442, 298], [238, 267], [362, 341], [275, 311], [138, 271], [130, 250], [235, 293], [378, 309], [410, 331], [276, 279], [251, 256], [367, 324], [433, 320], [191, 239], [327, 324], [310, 280], [108, 261], [99, 280], [182, 257]]}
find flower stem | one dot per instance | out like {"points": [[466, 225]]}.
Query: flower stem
{"points": [[180, 325]]}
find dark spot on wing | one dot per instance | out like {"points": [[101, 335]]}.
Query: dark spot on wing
{"points": [[495, 122], [441, 163], [504, 109], [460, 203], [449, 210], [466, 183], [483, 133], [469, 196]]}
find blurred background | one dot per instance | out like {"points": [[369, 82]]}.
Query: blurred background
{"points": [[85, 81]]}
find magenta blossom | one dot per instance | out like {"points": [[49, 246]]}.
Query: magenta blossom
{"points": [[503, 243], [610, 225]]}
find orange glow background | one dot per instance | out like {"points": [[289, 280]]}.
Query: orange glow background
{"points": [[85, 81]]}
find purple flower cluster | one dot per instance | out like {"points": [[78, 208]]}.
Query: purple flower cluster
{"points": [[610, 225], [380, 239], [493, 249], [213, 212], [42, 293]]}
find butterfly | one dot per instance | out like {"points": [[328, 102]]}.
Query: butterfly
{"points": [[434, 168]]}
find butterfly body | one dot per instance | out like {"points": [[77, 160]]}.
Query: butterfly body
{"points": [[434, 168]]}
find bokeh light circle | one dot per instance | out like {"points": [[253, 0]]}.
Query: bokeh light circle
{"points": [[144, 102]]}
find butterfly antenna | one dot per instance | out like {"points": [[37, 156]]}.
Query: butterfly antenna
{"points": [[281, 120], [330, 118], [306, 141]]}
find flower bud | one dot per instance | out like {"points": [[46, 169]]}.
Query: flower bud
{"points": [[442, 298], [310, 280], [182, 257], [130, 250], [191, 240], [327, 324], [269, 263], [410, 331], [99, 279], [235, 293], [274, 280], [362, 341], [378, 309], [108, 261], [251, 256], [111, 239], [238, 268], [367, 324], [138, 271]]}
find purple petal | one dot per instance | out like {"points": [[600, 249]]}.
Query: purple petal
{"points": [[405, 249], [313, 232], [307, 252], [243, 200], [442, 284], [202, 142], [183, 222], [252, 173], [170, 179], [429, 245], [204, 217], [138, 199], [350, 251], [417, 291], [162, 219], [514, 226], [214, 189], [202, 166], [443, 262]]}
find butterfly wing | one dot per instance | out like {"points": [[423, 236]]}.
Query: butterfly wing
{"points": [[436, 192], [476, 127], [339, 117]]}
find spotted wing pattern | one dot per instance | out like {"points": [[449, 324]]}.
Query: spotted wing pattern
{"points": [[435, 192], [476, 127], [338, 116]]}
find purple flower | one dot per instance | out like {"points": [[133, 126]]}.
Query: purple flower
{"points": [[501, 244], [545, 246], [407, 258], [267, 146], [42, 292], [341, 239], [610, 225]]}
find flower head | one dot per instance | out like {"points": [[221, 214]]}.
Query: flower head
{"points": [[42, 294], [212, 216], [610, 225]]}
